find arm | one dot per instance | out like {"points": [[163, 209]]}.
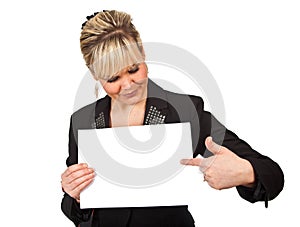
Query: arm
{"points": [[74, 180], [268, 176]]}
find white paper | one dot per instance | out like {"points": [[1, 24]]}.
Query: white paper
{"points": [[170, 182]]}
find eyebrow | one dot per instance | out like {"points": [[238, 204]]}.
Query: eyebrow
{"points": [[133, 66]]}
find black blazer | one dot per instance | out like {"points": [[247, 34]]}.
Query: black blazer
{"points": [[169, 107]]}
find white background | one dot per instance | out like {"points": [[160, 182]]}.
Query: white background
{"points": [[251, 48]]}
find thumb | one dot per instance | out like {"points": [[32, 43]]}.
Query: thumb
{"points": [[212, 146]]}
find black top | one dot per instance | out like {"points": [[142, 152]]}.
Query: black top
{"points": [[169, 108]]}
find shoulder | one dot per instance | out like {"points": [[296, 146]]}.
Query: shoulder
{"points": [[172, 97], [92, 106], [85, 116], [185, 99]]}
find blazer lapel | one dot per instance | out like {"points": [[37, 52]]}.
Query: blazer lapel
{"points": [[156, 105], [102, 113]]}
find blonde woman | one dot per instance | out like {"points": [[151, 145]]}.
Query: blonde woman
{"points": [[113, 52]]}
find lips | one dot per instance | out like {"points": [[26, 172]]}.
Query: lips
{"points": [[130, 94]]}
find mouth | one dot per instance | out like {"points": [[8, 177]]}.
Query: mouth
{"points": [[130, 94]]}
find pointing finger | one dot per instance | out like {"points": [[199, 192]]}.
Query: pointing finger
{"points": [[191, 162]]}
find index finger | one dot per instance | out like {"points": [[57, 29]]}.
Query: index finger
{"points": [[191, 161], [74, 168]]}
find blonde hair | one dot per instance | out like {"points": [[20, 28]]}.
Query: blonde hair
{"points": [[110, 42]]}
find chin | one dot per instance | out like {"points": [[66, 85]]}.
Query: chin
{"points": [[131, 101]]}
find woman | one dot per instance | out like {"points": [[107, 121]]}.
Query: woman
{"points": [[114, 54]]}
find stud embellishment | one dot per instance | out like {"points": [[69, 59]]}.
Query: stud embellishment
{"points": [[99, 122], [154, 117]]}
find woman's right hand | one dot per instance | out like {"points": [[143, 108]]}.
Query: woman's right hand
{"points": [[76, 178]]}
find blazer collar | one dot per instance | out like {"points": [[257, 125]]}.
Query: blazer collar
{"points": [[156, 105], [156, 96]]}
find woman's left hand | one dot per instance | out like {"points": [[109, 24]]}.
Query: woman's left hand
{"points": [[224, 169]]}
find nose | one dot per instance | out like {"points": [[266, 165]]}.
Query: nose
{"points": [[126, 82]]}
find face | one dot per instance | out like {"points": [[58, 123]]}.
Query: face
{"points": [[129, 86]]}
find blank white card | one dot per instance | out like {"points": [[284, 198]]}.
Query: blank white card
{"points": [[138, 166]]}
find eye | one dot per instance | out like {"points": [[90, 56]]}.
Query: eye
{"points": [[113, 79], [133, 69]]}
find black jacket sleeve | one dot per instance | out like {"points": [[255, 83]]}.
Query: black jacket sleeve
{"points": [[268, 174], [69, 205]]}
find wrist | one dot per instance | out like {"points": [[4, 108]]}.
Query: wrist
{"points": [[77, 199], [248, 175]]}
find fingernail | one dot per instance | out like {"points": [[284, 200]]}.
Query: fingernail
{"points": [[210, 139], [84, 165]]}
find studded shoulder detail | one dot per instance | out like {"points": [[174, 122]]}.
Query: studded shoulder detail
{"points": [[99, 122], [154, 117]]}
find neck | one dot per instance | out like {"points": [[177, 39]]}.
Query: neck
{"points": [[127, 115], [122, 107]]}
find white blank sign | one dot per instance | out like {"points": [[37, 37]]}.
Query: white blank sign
{"points": [[138, 166]]}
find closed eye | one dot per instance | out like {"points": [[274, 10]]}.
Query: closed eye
{"points": [[134, 69], [113, 79]]}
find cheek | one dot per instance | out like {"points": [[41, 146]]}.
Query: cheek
{"points": [[142, 74], [111, 89]]}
